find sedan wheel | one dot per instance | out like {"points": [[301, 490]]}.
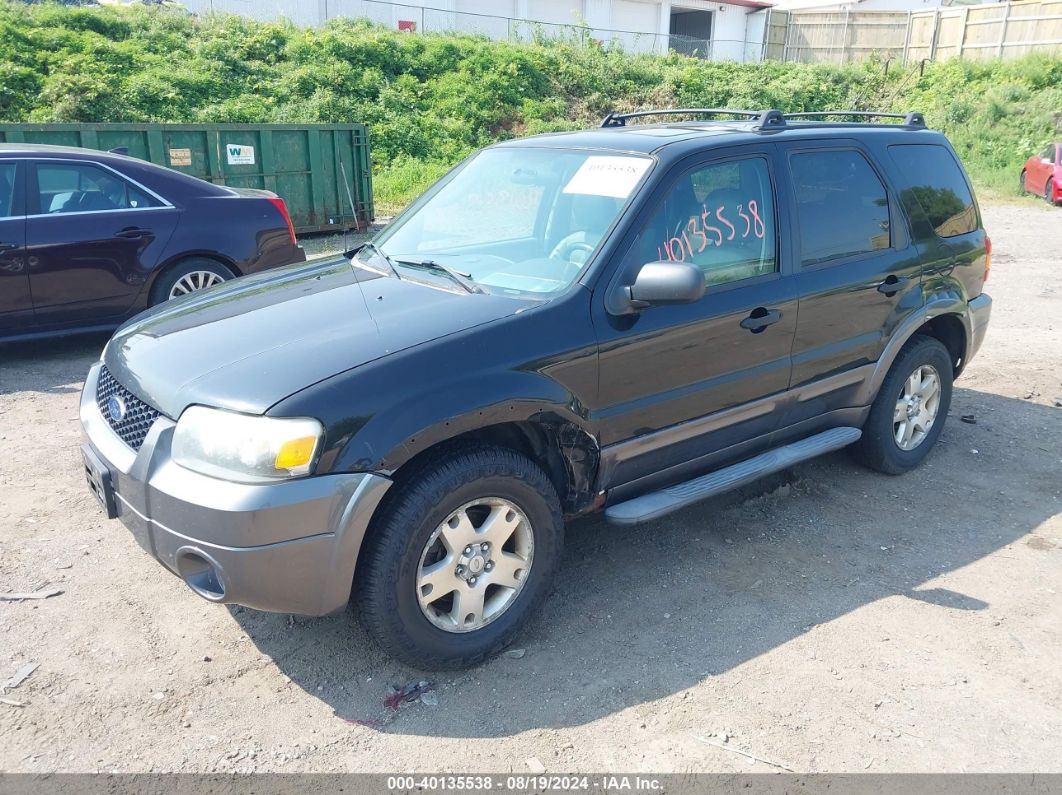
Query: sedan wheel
{"points": [[475, 564], [196, 280]]}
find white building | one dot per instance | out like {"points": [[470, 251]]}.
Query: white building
{"points": [[719, 30]]}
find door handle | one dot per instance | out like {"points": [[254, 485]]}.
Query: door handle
{"points": [[760, 319], [8, 246], [132, 233], [892, 285]]}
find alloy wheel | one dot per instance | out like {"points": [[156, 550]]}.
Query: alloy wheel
{"points": [[196, 280], [916, 407], [475, 564]]}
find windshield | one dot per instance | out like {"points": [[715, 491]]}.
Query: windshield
{"points": [[516, 220]]}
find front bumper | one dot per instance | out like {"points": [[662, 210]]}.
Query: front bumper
{"points": [[288, 547]]}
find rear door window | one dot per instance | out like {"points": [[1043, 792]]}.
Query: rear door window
{"points": [[842, 206], [934, 180], [79, 188]]}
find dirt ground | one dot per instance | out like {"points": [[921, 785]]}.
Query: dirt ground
{"points": [[832, 620]]}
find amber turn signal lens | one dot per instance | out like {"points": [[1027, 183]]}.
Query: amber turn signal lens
{"points": [[296, 453]]}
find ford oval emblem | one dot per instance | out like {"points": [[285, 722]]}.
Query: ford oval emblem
{"points": [[116, 409]]}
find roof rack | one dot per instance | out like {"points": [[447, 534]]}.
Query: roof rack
{"points": [[912, 119], [768, 120], [620, 119]]}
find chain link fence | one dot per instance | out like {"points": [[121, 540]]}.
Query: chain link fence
{"points": [[419, 19]]}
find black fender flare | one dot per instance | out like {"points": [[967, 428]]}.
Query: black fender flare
{"points": [[404, 430], [949, 303]]}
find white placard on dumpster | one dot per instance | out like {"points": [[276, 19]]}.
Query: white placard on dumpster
{"points": [[239, 154]]}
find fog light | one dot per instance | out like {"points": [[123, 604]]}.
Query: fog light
{"points": [[201, 574]]}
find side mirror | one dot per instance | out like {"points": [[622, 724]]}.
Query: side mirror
{"points": [[663, 283]]}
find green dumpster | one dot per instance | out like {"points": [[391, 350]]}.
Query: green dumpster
{"points": [[322, 171]]}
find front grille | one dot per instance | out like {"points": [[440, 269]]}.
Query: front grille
{"points": [[139, 416]]}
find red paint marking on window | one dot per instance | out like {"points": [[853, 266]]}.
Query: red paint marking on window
{"points": [[721, 217], [693, 238], [758, 224], [746, 219], [691, 225], [681, 256], [705, 215]]}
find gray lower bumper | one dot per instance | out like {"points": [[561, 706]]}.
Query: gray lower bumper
{"points": [[287, 547], [980, 312]]}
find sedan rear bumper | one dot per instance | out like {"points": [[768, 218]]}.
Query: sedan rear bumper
{"points": [[287, 547]]}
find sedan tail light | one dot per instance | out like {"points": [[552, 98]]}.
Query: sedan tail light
{"points": [[282, 208]]}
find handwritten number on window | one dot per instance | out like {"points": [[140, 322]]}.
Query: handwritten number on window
{"points": [[699, 232], [725, 220]]}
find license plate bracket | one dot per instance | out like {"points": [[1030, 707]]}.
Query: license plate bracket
{"points": [[99, 482]]}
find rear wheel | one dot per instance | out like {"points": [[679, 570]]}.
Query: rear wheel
{"points": [[462, 555], [908, 413], [1049, 191], [189, 276]]}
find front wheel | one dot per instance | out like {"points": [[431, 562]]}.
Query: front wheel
{"points": [[908, 413], [1022, 189], [1049, 191], [460, 557]]}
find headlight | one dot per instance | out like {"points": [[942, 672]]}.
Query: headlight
{"points": [[244, 447]]}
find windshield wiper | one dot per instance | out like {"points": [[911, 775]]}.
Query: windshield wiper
{"points": [[463, 279], [379, 252]]}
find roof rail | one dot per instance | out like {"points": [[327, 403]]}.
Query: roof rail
{"points": [[620, 119], [768, 120], [912, 119]]}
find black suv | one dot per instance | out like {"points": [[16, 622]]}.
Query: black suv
{"points": [[628, 319]]}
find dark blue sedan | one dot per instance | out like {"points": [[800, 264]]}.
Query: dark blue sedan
{"points": [[88, 238]]}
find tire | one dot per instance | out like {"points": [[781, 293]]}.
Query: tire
{"points": [[879, 447], [1022, 190], [392, 570], [189, 269], [1049, 191]]}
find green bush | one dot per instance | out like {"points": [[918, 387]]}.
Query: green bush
{"points": [[429, 100]]}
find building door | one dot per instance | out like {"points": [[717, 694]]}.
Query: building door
{"points": [[691, 32]]}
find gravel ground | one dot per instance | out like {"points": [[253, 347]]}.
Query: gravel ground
{"points": [[831, 620]]}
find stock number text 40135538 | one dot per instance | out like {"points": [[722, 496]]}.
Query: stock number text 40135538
{"points": [[713, 228]]}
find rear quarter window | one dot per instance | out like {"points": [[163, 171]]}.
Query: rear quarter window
{"points": [[934, 182]]}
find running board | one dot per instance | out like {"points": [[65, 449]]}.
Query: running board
{"points": [[660, 503]]}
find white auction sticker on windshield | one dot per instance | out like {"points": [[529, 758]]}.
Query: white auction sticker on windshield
{"points": [[608, 176]]}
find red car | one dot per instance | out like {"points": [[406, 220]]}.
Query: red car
{"points": [[1042, 175]]}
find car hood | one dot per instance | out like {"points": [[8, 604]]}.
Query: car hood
{"points": [[251, 343]]}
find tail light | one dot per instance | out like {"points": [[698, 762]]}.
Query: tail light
{"points": [[988, 256], [282, 208]]}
